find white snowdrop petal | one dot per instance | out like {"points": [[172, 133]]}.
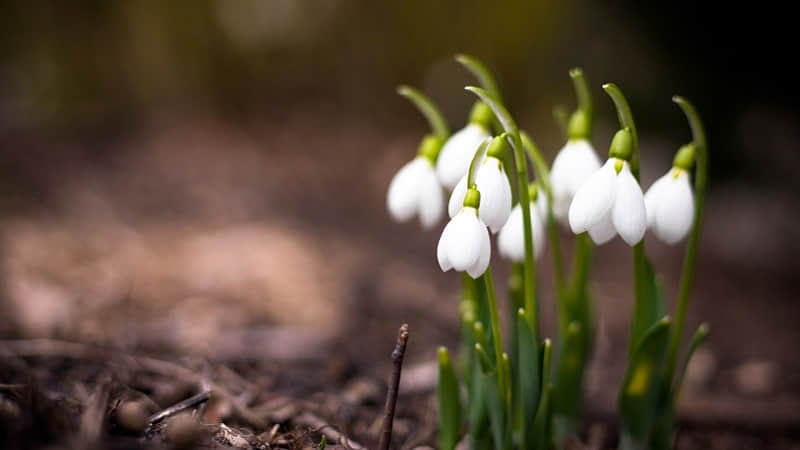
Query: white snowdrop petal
{"points": [[482, 263], [585, 163], [653, 198], [574, 164], [676, 210], [510, 240], [628, 213], [431, 199], [495, 190], [457, 197], [404, 190], [464, 244], [441, 249], [541, 204], [603, 231], [537, 232], [593, 199], [457, 153]]}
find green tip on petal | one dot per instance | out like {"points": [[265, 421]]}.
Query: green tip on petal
{"points": [[472, 199], [684, 158], [622, 145]]}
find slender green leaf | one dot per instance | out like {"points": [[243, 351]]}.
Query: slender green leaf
{"points": [[449, 402], [529, 373], [697, 340], [638, 398], [543, 423], [650, 309], [569, 376]]}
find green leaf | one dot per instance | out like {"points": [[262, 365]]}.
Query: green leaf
{"points": [[697, 340], [569, 376], [486, 364], [529, 372], [543, 423], [479, 432], [449, 403], [650, 309], [497, 417], [428, 109], [481, 72], [638, 398]]}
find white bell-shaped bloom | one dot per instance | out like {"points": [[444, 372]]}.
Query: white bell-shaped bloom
{"points": [[457, 154], [610, 202], [492, 182], [511, 240], [670, 206], [415, 190], [464, 245], [574, 164]]}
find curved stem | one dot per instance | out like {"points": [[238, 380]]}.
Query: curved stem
{"points": [[481, 72], [479, 155], [625, 117], [626, 121], [529, 275], [701, 177], [583, 94], [425, 105]]}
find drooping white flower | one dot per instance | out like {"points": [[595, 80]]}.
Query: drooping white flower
{"points": [[610, 202], [464, 245], [457, 153], [511, 240], [492, 182], [415, 190], [574, 164], [670, 206]]}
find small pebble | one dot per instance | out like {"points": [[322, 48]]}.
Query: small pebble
{"points": [[183, 431], [756, 377], [132, 416]]}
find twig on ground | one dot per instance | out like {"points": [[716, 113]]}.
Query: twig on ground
{"points": [[394, 383], [180, 406], [309, 419]]}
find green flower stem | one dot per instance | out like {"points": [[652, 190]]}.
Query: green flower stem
{"points": [[584, 248], [701, 177], [496, 336], [639, 288], [511, 128], [584, 97], [482, 73], [543, 174], [428, 109]]}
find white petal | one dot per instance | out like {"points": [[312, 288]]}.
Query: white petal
{"points": [[431, 199], [653, 197], [492, 183], [593, 199], [441, 249], [541, 204], [603, 231], [402, 198], [675, 212], [628, 214], [456, 201], [537, 231], [464, 243], [510, 241], [480, 266], [574, 164], [457, 153]]}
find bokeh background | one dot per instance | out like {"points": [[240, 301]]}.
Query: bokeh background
{"points": [[192, 176]]}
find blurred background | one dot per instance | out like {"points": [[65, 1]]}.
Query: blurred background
{"points": [[189, 176]]}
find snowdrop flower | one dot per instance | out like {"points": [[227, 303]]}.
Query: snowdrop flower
{"points": [[511, 240], [415, 190], [573, 165], [611, 202], [670, 202], [457, 152], [464, 245], [492, 182]]}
